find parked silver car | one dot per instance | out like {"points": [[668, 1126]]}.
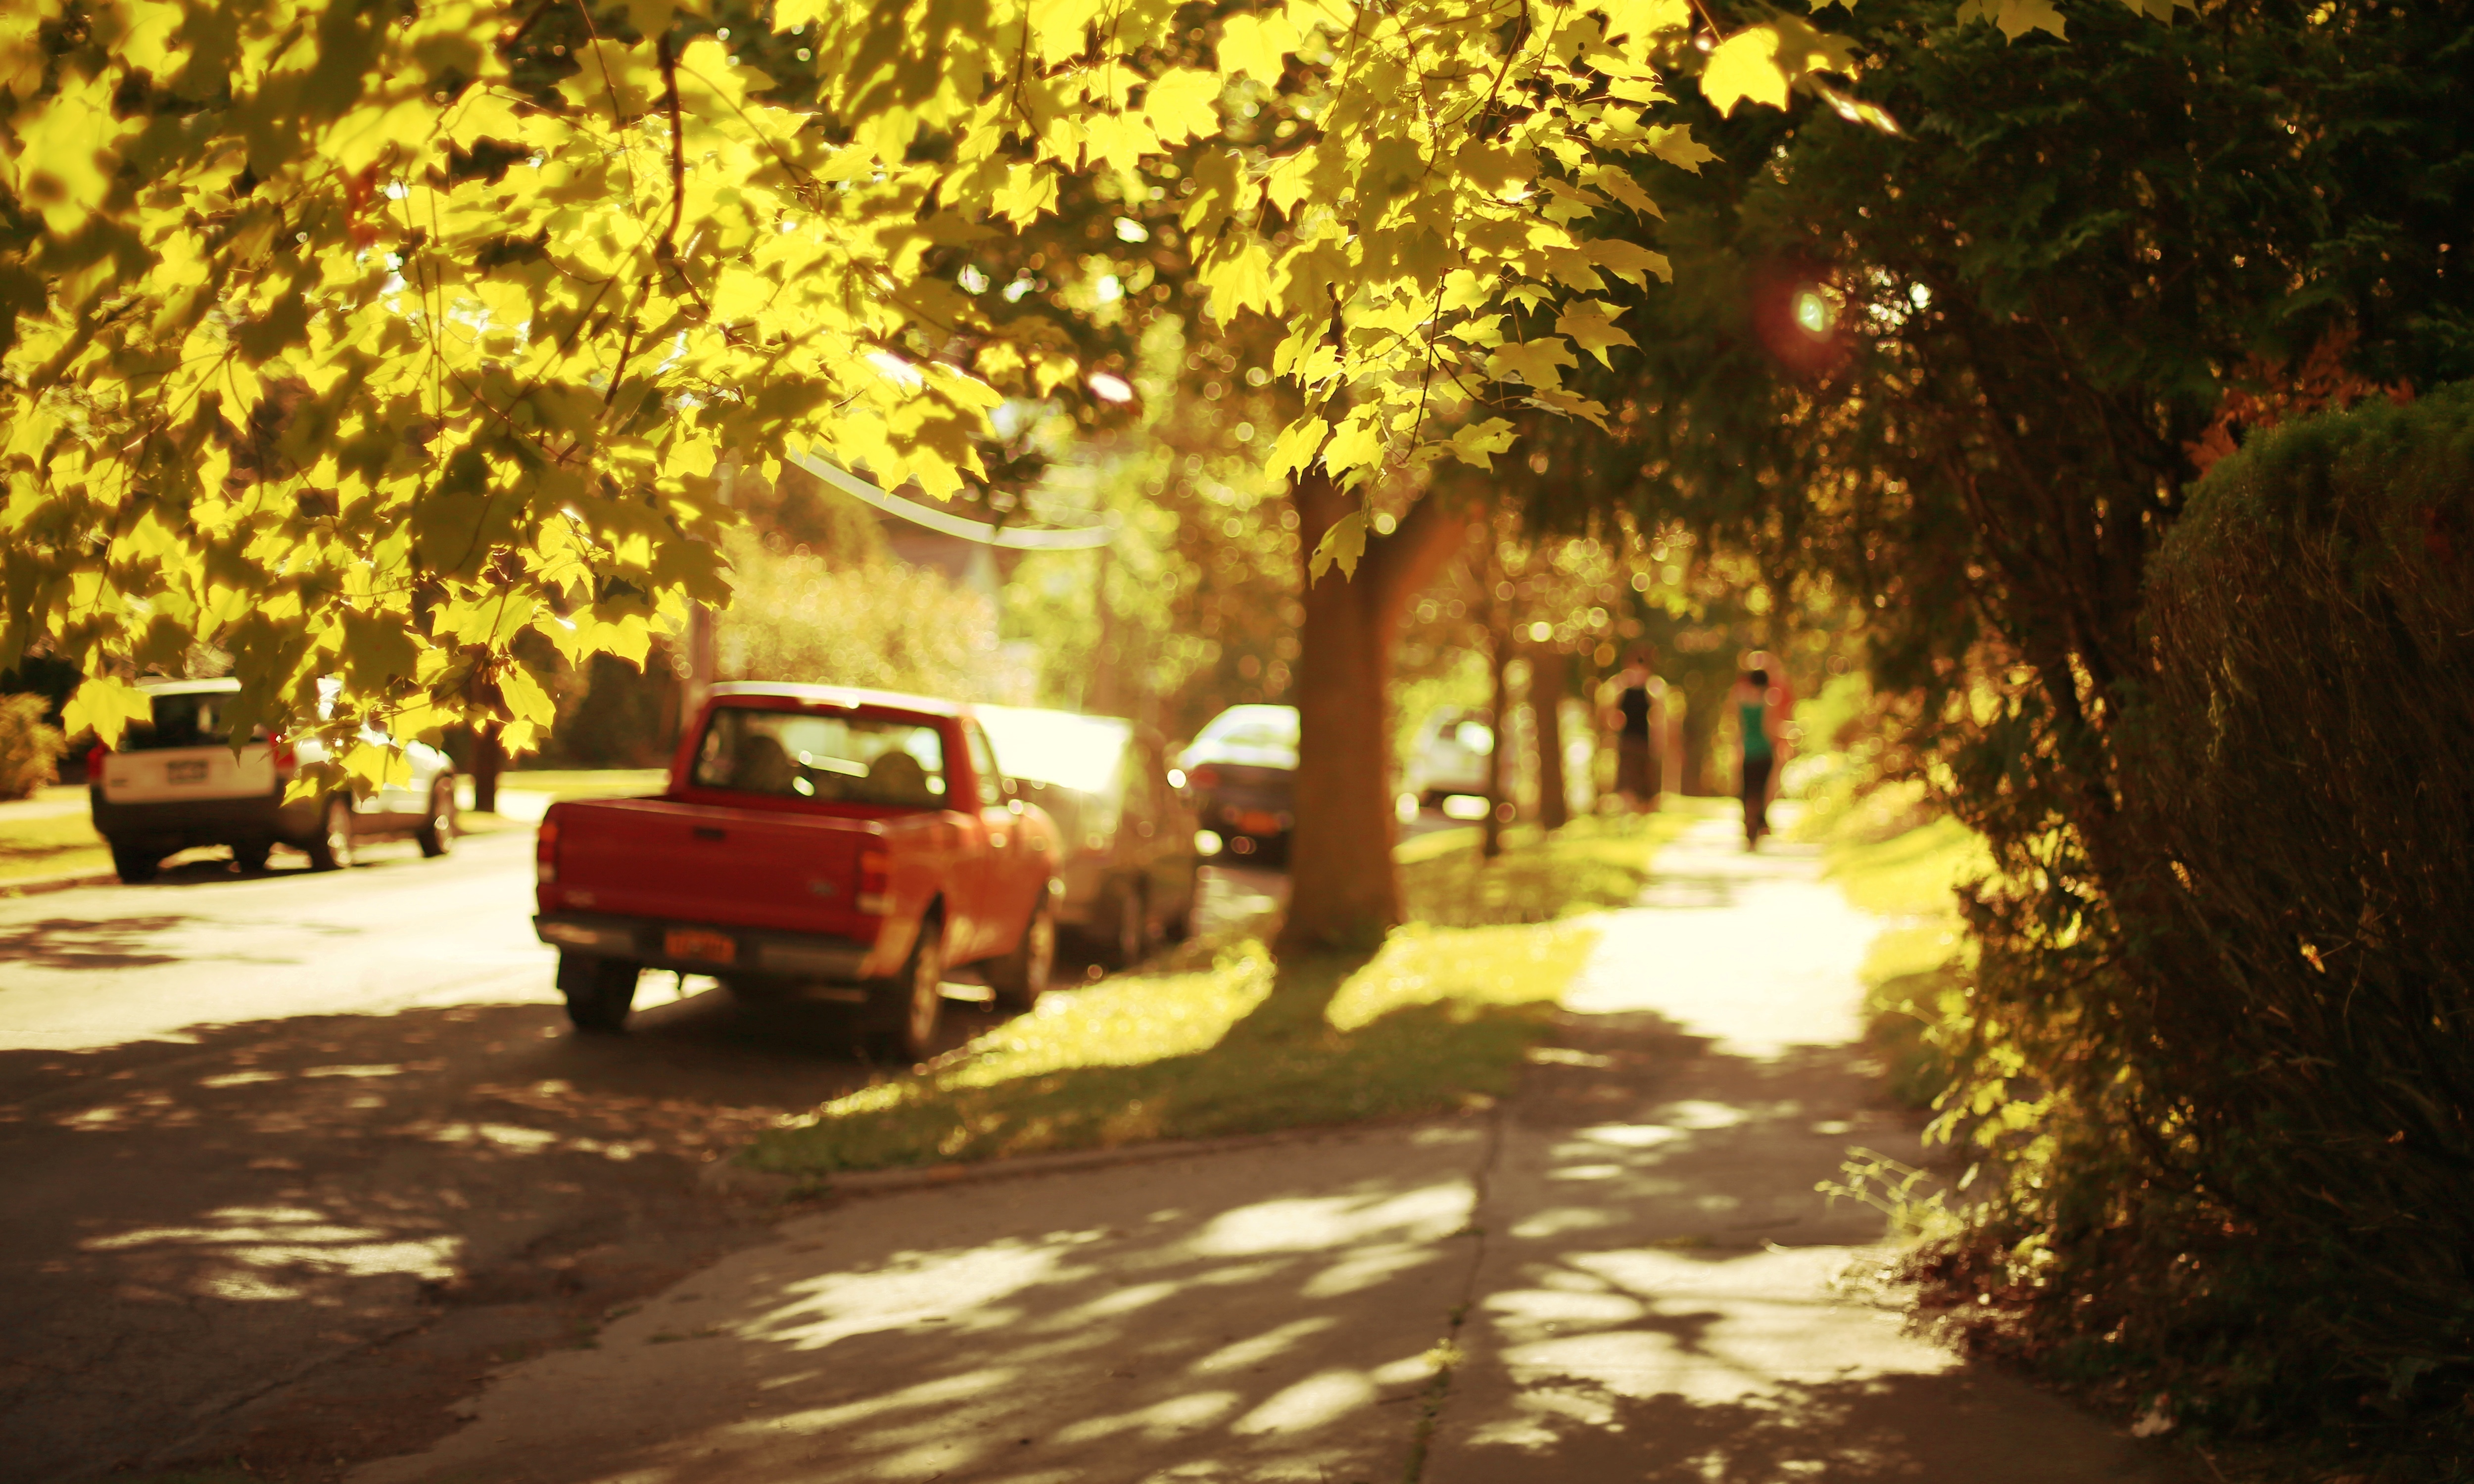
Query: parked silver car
{"points": [[1449, 757], [176, 782], [1127, 874]]}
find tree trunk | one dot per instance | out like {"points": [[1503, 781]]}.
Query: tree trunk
{"points": [[1498, 662], [1343, 892], [489, 759], [1550, 677]]}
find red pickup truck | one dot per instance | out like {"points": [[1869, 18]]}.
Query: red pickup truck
{"points": [[846, 844]]}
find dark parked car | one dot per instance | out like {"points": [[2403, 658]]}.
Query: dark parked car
{"points": [[1241, 777], [1128, 870], [176, 781]]}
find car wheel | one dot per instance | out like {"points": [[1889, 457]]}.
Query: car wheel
{"points": [[1021, 976], [136, 865], [333, 849], [1179, 925], [1133, 935], [599, 991], [251, 856], [437, 833], [917, 996]]}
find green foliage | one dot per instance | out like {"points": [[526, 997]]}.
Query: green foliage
{"points": [[30, 747], [360, 341], [880, 624], [1959, 377], [2235, 1167]]}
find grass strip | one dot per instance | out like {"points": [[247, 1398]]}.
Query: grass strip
{"points": [[1221, 1039], [1917, 972], [50, 845]]}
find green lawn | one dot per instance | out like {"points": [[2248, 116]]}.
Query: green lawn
{"points": [[1222, 1038], [1918, 970], [49, 845], [586, 782]]}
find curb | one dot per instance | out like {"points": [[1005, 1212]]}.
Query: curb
{"points": [[725, 1175], [36, 886]]}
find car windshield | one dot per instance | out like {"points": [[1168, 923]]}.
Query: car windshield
{"points": [[1254, 726], [832, 757], [1056, 747], [196, 718]]}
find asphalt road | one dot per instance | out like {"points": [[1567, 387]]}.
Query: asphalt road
{"points": [[294, 1159]]}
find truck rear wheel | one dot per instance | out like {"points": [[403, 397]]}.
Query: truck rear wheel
{"points": [[599, 991], [134, 863], [1021, 976], [917, 1000]]}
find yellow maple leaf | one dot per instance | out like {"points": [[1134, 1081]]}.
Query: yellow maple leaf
{"points": [[1590, 324], [1534, 361]]}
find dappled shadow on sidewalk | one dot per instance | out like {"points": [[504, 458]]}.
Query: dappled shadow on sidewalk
{"points": [[1267, 1313], [1665, 1296], [211, 1236]]}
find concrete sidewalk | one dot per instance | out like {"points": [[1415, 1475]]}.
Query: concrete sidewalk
{"points": [[1623, 1274]]}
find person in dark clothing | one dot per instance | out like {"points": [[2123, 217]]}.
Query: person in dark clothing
{"points": [[1638, 717], [1757, 704]]}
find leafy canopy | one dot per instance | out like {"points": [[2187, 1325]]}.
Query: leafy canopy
{"points": [[360, 339]]}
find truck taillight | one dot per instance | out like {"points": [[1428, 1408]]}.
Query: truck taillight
{"points": [[286, 757], [1205, 777], [94, 763], [875, 878], [546, 854]]}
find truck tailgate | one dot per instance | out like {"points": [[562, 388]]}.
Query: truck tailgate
{"points": [[698, 863]]}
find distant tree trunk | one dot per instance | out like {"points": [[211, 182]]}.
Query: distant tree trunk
{"points": [[1343, 892], [489, 760], [1550, 677], [1498, 663]]}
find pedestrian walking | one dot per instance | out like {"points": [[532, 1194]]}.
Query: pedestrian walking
{"points": [[1638, 717], [1758, 704]]}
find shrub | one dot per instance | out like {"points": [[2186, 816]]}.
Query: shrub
{"points": [[2240, 1173], [30, 747]]}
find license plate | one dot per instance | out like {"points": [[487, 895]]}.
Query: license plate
{"points": [[696, 944], [184, 770]]}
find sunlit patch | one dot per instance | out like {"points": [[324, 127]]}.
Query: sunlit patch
{"points": [[1631, 1136], [1587, 1172], [1562, 1221], [964, 1285], [1161, 1419], [1314, 1224], [1365, 1268], [1318, 1400], [254, 1238], [1253, 1350], [1564, 1056], [377, 1069], [239, 1079], [944, 1392], [1698, 1115], [506, 1135]]}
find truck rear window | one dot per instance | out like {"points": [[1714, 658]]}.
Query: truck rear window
{"points": [[832, 757], [188, 719]]}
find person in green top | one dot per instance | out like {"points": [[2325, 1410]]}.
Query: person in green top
{"points": [[1757, 704]]}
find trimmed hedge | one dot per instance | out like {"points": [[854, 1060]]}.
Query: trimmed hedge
{"points": [[2228, 1092], [2302, 907]]}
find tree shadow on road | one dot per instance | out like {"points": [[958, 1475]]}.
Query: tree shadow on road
{"points": [[381, 1207]]}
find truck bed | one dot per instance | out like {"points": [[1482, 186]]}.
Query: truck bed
{"points": [[793, 871]]}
